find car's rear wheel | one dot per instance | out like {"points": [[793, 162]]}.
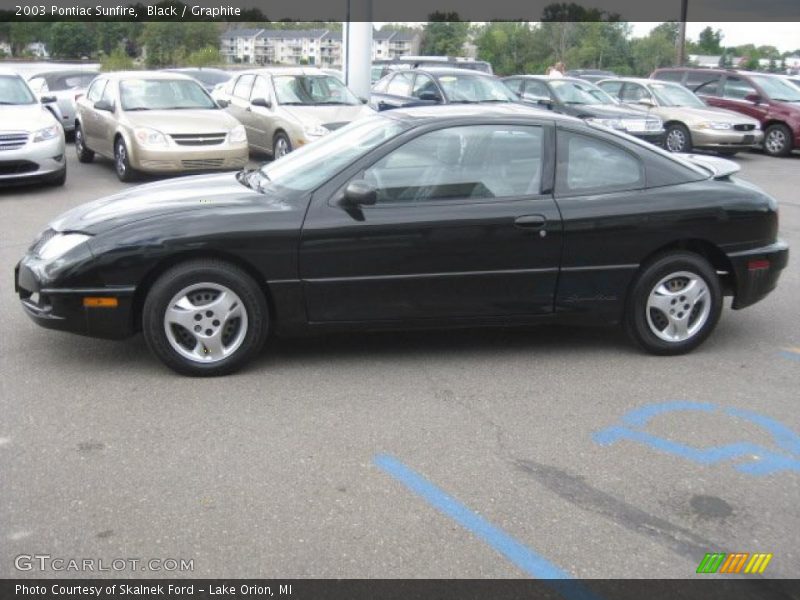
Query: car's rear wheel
{"points": [[281, 145], [122, 162], [675, 304], [677, 138], [205, 318], [778, 140], [84, 154]]}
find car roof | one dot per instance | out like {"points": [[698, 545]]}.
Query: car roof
{"points": [[464, 111], [436, 71], [283, 71], [641, 80], [118, 75], [548, 78]]}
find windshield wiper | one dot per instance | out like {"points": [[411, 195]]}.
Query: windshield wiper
{"points": [[138, 108], [295, 104]]}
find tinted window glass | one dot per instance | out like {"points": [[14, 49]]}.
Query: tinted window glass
{"points": [[534, 90], [632, 92], [108, 94], [96, 91], [737, 88], [710, 88], [669, 76], [476, 162], [589, 165], [611, 87], [260, 89], [400, 85], [695, 79], [515, 85], [243, 85], [424, 84]]}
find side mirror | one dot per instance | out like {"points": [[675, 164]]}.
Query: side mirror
{"points": [[364, 100], [358, 193], [263, 102], [430, 97], [223, 103], [754, 98], [104, 105], [546, 102], [646, 102], [48, 99]]}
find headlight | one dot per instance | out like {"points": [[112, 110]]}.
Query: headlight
{"points": [[714, 125], [48, 133], [237, 135], [60, 244], [149, 137], [316, 131]]}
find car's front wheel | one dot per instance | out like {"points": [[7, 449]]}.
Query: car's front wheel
{"points": [[778, 140], [84, 154], [281, 145], [205, 318], [677, 138], [122, 162], [675, 304]]}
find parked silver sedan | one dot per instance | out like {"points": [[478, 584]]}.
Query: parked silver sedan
{"points": [[66, 87]]}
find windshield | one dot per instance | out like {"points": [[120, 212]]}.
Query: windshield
{"points": [[468, 88], [311, 165], [59, 83], [312, 90], [675, 95], [777, 89], [572, 92], [163, 94], [14, 91]]}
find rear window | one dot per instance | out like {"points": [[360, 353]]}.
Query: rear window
{"points": [[669, 75]]}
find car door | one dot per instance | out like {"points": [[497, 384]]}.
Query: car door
{"points": [[734, 96], [107, 120], [259, 120], [397, 92], [90, 119], [239, 104], [464, 226]]}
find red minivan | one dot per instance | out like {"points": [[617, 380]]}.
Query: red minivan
{"points": [[768, 98]]}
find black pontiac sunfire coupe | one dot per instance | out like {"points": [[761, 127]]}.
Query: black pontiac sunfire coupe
{"points": [[421, 217]]}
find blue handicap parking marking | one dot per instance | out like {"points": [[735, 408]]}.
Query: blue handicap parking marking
{"points": [[763, 460]]}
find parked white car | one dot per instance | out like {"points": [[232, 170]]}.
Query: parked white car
{"points": [[31, 138], [66, 87]]}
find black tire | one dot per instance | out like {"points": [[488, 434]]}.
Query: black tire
{"points": [[280, 138], [81, 149], [59, 178], [212, 272], [778, 140], [638, 317], [122, 163], [677, 138]]}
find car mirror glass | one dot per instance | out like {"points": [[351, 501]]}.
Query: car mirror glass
{"points": [[359, 193]]}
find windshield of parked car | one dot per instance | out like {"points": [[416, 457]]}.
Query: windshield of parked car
{"points": [[777, 89], [675, 95], [468, 88], [573, 92], [311, 165], [312, 90], [14, 91], [163, 94]]}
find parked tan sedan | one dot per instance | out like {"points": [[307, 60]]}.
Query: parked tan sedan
{"points": [[285, 108], [156, 122], [689, 123]]}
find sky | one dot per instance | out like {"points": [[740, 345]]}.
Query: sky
{"points": [[784, 36]]}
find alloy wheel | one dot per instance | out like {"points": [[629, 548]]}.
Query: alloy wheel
{"points": [[205, 322], [281, 147], [122, 158], [678, 306], [775, 142], [676, 141]]}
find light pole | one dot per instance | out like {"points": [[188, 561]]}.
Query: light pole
{"points": [[682, 33], [357, 47]]}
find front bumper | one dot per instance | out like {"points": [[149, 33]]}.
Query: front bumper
{"points": [[726, 138], [63, 308], [222, 157], [756, 272], [33, 161]]}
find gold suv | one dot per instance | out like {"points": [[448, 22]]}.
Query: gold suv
{"points": [[156, 122]]}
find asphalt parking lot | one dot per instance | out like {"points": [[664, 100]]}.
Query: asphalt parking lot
{"points": [[499, 453]]}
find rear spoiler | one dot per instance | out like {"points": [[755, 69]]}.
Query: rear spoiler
{"points": [[719, 167]]}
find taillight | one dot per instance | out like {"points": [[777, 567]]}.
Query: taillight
{"points": [[758, 264]]}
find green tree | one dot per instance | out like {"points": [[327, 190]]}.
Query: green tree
{"points": [[443, 34], [710, 41], [169, 44], [653, 51], [204, 57], [22, 33], [117, 60], [71, 39], [510, 47]]}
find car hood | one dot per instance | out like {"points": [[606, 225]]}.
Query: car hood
{"points": [[27, 117], [696, 114], [178, 195], [603, 111], [312, 116], [183, 121]]}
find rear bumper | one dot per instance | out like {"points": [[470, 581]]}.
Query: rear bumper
{"points": [[757, 271], [63, 309]]}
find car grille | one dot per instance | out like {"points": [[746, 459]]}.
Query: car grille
{"points": [[206, 163], [744, 127], [198, 139], [12, 141], [335, 126], [17, 167], [45, 237]]}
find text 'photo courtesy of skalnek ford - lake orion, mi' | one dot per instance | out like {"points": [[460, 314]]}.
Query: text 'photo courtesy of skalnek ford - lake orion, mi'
{"points": [[373, 301]]}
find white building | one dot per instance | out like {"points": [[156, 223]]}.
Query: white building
{"points": [[319, 47]]}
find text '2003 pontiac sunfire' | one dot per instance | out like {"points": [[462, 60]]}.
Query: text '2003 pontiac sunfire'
{"points": [[421, 217]]}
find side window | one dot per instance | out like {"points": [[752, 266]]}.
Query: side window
{"points": [[478, 162], [708, 81], [424, 84], [536, 89], [38, 85], [96, 90], [611, 87], [242, 87], [633, 92], [400, 85], [108, 94], [710, 88], [260, 89], [736, 88], [381, 85], [515, 85], [675, 76], [588, 165]]}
